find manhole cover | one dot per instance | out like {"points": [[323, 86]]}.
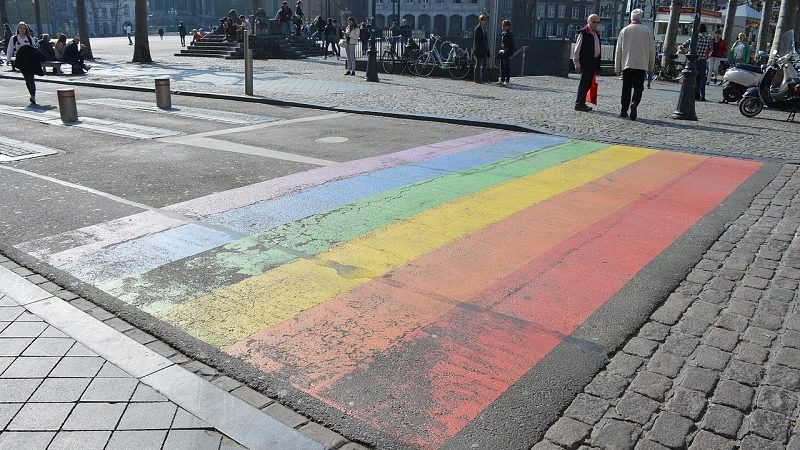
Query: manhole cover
{"points": [[12, 150], [333, 140]]}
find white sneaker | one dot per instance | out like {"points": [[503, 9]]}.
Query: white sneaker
{"points": [[504, 83]]}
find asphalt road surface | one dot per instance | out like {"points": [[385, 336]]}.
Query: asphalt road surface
{"points": [[410, 284]]}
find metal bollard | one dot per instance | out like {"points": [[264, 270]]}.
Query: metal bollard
{"points": [[66, 105], [163, 99]]}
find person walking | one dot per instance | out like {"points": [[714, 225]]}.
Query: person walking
{"points": [[507, 49], [586, 58], [480, 49], [161, 33], [28, 59], [635, 56], [331, 39], [704, 43], [740, 51], [351, 34], [719, 50], [128, 31], [182, 33]]}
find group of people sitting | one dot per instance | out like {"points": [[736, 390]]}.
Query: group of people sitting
{"points": [[50, 51]]}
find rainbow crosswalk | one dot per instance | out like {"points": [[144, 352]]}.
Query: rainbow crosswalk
{"points": [[407, 290]]}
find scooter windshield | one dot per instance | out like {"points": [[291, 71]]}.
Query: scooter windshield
{"points": [[786, 44]]}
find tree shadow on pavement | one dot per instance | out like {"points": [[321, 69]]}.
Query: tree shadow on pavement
{"points": [[685, 124]]}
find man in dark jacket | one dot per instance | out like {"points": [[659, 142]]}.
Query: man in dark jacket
{"points": [[73, 56], [586, 59], [46, 48], [480, 49], [182, 32]]}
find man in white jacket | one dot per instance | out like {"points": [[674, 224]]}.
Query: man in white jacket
{"points": [[635, 56]]}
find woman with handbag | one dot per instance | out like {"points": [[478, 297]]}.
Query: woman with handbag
{"points": [[28, 60], [351, 35]]}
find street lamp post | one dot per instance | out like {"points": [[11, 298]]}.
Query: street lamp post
{"points": [[686, 99]]}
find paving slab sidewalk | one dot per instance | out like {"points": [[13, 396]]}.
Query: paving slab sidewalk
{"points": [[69, 381]]}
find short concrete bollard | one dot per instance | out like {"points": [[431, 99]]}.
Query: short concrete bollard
{"points": [[163, 99], [66, 105]]}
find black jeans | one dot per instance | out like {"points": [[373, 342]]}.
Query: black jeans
{"points": [[30, 83], [586, 82], [632, 79], [505, 68]]}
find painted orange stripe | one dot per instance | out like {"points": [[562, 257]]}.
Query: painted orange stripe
{"points": [[354, 326], [451, 370]]}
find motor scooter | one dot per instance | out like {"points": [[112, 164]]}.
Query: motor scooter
{"points": [[737, 79], [769, 94]]}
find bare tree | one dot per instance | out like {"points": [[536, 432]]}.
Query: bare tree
{"points": [[523, 17], [37, 14], [141, 45], [83, 28], [730, 19], [785, 22], [670, 39], [3, 12], [763, 28]]}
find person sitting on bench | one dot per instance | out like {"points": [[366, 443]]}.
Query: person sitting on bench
{"points": [[73, 55], [46, 48]]}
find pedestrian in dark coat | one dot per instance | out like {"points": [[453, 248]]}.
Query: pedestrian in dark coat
{"points": [[182, 32], [480, 49], [586, 58], [28, 59], [507, 49]]}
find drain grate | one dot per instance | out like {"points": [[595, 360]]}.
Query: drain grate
{"points": [[13, 150]]}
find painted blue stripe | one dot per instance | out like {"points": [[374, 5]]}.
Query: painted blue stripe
{"points": [[146, 253], [143, 254]]}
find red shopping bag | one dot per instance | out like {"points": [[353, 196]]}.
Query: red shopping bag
{"points": [[591, 96]]}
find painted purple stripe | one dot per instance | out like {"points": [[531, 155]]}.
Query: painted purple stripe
{"points": [[221, 202]]}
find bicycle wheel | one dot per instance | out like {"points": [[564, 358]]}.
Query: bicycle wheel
{"points": [[387, 58], [425, 64], [461, 66], [410, 61]]}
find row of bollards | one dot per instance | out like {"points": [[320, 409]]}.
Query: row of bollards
{"points": [[68, 110]]}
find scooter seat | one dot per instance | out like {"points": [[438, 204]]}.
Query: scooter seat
{"points": [[749, 68]]}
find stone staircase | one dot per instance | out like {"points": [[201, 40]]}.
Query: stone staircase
{"points": [[267, 44]]}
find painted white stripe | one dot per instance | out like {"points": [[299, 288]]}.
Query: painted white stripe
{"points": [[270, 124], [183, 111], [216, 144]]}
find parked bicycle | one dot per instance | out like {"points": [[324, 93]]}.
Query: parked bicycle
{"points": [[673, 71], [456, 62], [394, 63]]}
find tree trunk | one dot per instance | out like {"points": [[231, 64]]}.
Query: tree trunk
{"points": [[763, 28], [141, 43], [3, 12], [730, 18], [595, 8], [785, 23], [83, 28], [524, 19], [670, 44], [37, 14]]}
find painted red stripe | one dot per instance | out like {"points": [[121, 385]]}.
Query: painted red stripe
{"points": [[441, 377]]}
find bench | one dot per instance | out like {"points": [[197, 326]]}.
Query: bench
{"points": [[55, 65]]}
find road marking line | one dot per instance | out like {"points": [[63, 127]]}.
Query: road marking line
{"points": [[216, 144], [270, 124]]}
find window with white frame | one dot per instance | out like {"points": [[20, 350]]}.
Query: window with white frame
{"points": [[576, 12], [549, 28], [551, 10], [559, 29], [562, 11]]}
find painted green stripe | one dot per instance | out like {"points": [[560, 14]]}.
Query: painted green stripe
{"points": [[189, 278]]}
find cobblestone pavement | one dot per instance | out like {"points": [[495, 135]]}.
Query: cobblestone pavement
{"points": [[718, 365], [543, 102]]}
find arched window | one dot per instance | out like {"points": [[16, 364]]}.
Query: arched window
{"points": [[439, 25], [424, 23], [472, 22], [456, 25]]}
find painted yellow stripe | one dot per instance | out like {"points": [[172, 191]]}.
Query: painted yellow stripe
{"points": [[235, 312]]}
